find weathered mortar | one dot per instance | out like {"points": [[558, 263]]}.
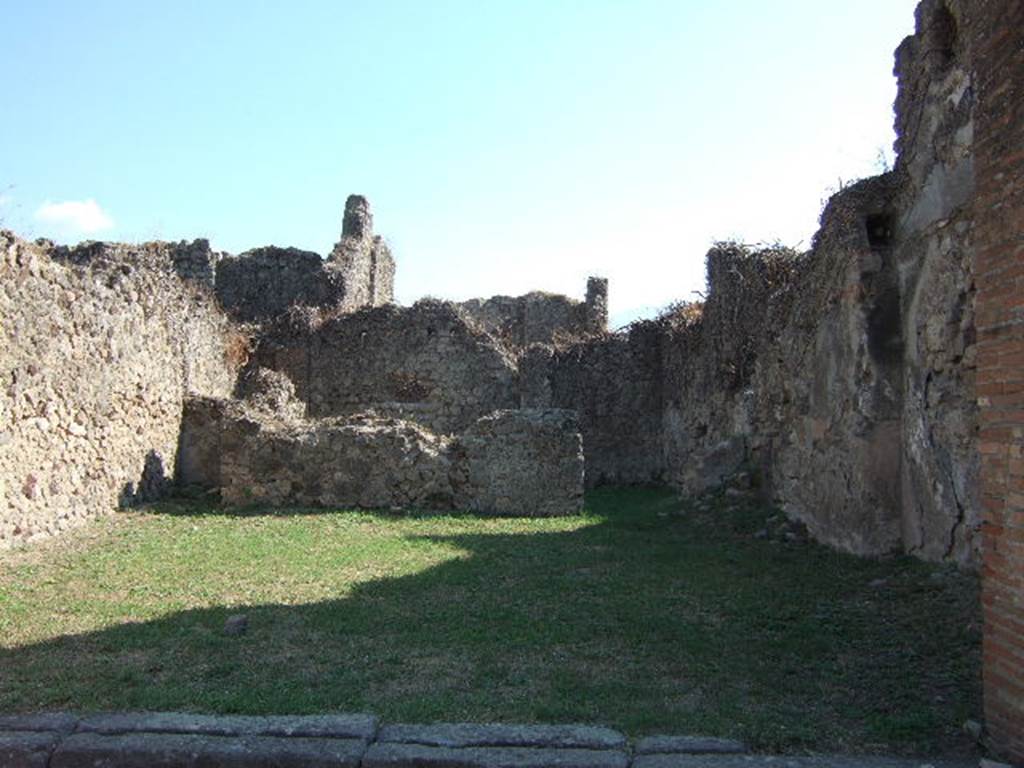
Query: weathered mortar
{"points": [[99, 351]]}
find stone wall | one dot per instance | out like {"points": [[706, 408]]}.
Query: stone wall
{"points": [[261, 284], [100, 346], [426, 363], [517, 462], [933, 222], [521, 462], [538, 317], [264, 283], [614, 383], [363, 259], [846, 374], [192, 261]]}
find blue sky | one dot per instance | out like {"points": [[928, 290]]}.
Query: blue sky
{"points": [[504, 146]]}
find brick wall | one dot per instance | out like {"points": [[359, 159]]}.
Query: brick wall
{"points": [[997, 37]]}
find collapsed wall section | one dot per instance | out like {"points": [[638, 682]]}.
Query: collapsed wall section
{"points": [[541, 318], [425, 363], [263, 283], [99, 351]]}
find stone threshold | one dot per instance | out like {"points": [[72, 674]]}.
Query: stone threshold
{"points": [[173, 740]]}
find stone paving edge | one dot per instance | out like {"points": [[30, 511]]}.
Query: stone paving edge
{"points": [[169, 740]]}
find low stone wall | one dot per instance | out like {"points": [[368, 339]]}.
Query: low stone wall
{"points": [[98, 353], [522, 462], [365, 462]]}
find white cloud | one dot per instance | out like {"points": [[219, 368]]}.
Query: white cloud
{"points": [[4, 200], [75, 216]]}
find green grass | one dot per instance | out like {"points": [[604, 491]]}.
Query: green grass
{"points": [[644, 614]]}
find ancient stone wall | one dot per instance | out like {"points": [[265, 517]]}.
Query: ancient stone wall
{"points": [[425, 363], [520, 462], [99, 351], [614, 382], [846, 374], [261, 284], [264, 283], [537, 317], [516, 462], [932, 223], [363, 259], [192, 261]]}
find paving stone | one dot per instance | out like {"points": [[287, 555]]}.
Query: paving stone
{"points": [[356, 726], [26, 749], [693, 745], [44, 721], [765, 761], [502, 735], [324, 726], [175, 750], [397, 755], [171, 722]]}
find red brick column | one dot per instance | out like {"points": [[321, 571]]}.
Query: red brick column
{"points": [[997, 40]]}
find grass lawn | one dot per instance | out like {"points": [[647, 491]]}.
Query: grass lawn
{"points": [[645, 614]]}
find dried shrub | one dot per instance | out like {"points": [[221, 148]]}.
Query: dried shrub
{"points": [[238, 347]]}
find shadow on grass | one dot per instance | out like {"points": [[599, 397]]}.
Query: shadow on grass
{"points": [[652, 617]]}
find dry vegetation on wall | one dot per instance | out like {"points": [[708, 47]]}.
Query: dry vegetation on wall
{"points": [[752, 290]]}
